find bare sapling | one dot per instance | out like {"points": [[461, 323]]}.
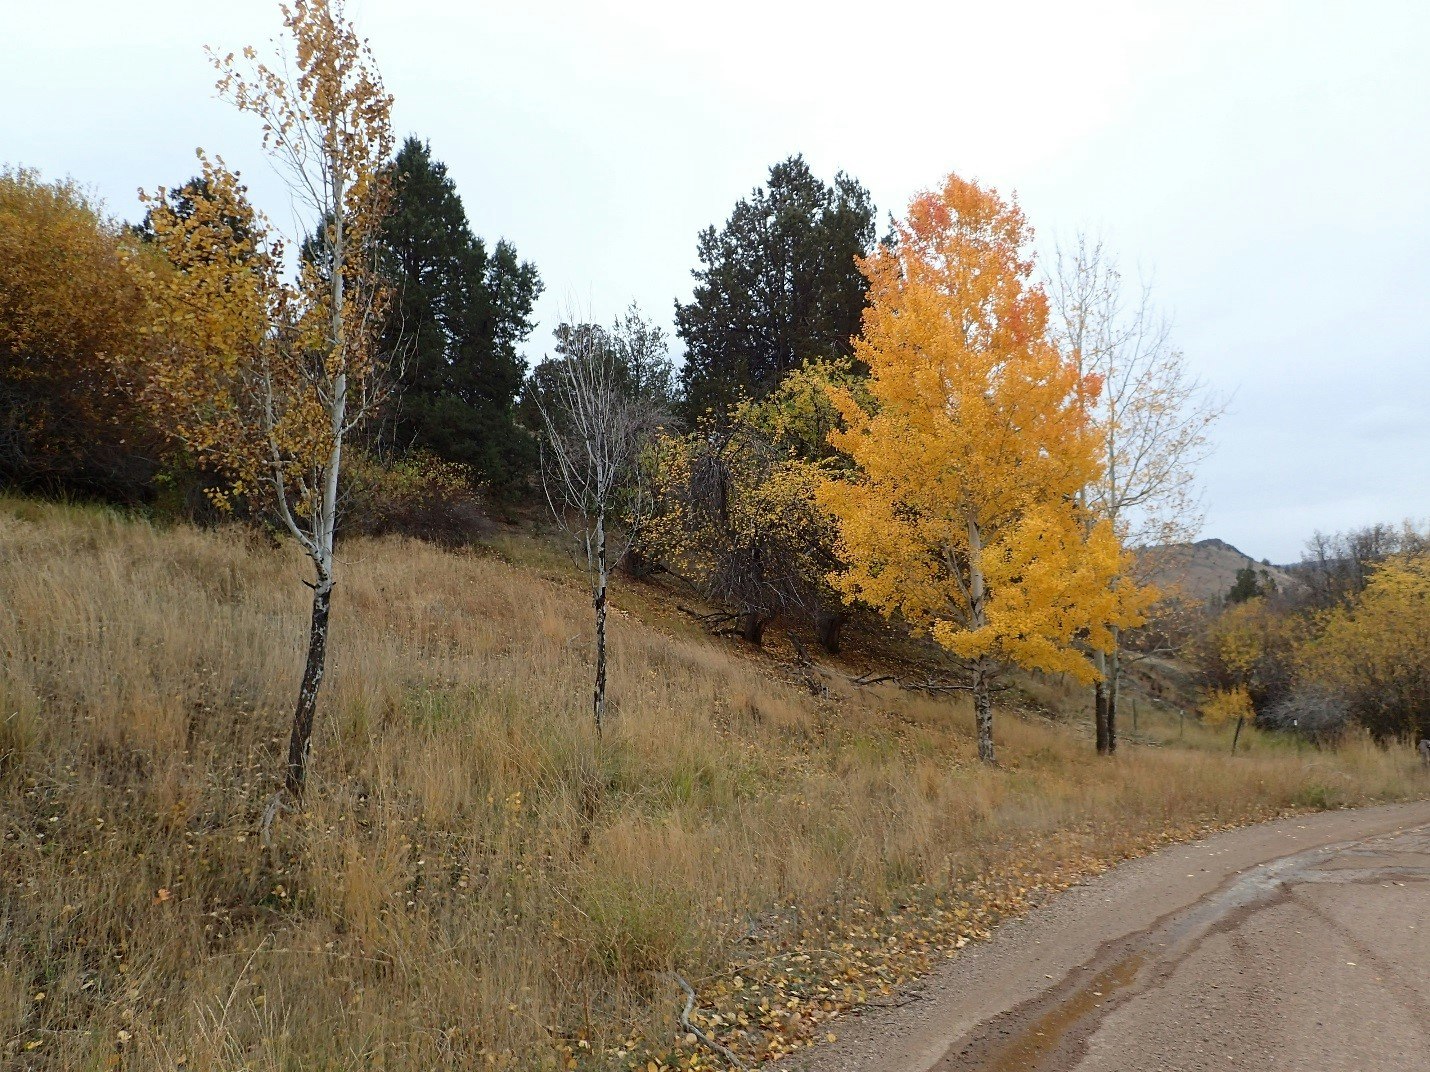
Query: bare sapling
{"points": [[1152, 417], [596, 426]]}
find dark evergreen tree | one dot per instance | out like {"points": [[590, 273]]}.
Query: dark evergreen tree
{"points": [[1248, 585], [459, 313], [777, 286]]}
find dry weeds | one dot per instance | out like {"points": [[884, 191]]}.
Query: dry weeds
{"points": [[474, 882]]}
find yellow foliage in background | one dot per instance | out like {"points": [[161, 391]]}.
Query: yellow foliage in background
{"points": [[1227, 705], [66, 302], [1376, 651], [736, 499], [209, 367]]}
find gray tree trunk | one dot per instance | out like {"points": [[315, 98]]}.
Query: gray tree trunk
{"points": [[978, 616], [599, 698], [300, 741], [1114, 682], [1099, 702]]}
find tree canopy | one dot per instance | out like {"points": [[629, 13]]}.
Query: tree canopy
{"points": [[1376, 651], [963, 512], [777, 286], [66, 302], [460, 311]]}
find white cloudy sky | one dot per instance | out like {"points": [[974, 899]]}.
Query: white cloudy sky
{"points": [[1267, 162]]}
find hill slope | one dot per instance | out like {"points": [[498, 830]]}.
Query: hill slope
{"points": [[1206, 570], [475, 880]]}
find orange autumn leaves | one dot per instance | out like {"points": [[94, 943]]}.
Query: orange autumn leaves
{"points": [[965, 511]]}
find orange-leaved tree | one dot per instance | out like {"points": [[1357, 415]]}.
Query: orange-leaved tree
{"points": [[264, 377], [962, 512]]}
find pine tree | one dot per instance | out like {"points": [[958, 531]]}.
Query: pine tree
{"points": [[460, 312], [777, 286]]}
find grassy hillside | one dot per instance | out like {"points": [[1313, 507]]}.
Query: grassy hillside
{"points": [[476, 881]]}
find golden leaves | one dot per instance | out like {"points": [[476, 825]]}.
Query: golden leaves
{"points": [[1377, 649], [212, 292], [972, 452], [64, 296], [1227, 705], [264, 378]]}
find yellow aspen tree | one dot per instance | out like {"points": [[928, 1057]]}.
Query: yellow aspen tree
{"points": [[962, 513], [264, 376], [1233, 704], [1374, 651]]}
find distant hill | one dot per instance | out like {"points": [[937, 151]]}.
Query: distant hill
{"points": [[1206, 569]]}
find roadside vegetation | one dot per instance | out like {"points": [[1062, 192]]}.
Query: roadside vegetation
{"points": [[1341, 646], [475, 880]]}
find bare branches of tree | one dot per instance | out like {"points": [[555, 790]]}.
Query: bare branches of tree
{"points": [[597, 423], [1153, 415]]}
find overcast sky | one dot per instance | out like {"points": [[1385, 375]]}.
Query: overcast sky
{"points": [[1267, 164]]}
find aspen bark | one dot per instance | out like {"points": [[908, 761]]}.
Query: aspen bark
{"points": [[982, 671], [300, 742], [1114, 680], [1100, 703], [983, 711]]}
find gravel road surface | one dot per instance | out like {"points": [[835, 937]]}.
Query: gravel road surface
{"points": [[1302, 944]]}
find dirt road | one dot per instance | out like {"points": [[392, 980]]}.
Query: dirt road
{"points": [[1300, 945]]}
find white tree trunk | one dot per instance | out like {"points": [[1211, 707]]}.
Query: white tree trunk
{"points": [[983, 668]]}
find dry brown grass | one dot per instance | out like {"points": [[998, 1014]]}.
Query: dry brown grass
{"points": [[475, 883]]}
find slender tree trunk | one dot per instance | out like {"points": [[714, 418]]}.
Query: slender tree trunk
{"points": [[300, 743], [752, 627], [1113, 670], [978, 614], [1099, 702], [827, 627], [599, 698], [983, 710], [1237, 735]]}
